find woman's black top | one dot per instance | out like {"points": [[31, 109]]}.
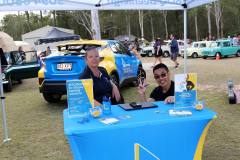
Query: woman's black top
{"points": [[101, 86]]}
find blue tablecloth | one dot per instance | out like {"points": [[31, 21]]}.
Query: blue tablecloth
{"points": [[146, 136]]}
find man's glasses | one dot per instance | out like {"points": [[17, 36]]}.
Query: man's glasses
{"points": [[163, 75]]}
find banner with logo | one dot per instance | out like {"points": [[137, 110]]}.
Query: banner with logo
{"points": [[80, 97], [185, 90], [32, 5]]}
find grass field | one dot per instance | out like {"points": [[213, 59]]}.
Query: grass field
{"points": [[36, 127]]}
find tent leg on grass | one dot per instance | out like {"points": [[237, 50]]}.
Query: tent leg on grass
{"points": [[3, 108], [185, 40]]}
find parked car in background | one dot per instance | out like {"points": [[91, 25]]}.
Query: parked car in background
{"points": [[12, 66], [194, 50], [221, 47], [121, 64]]}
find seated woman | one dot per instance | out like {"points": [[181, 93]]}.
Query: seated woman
{"points": [[102, 85]]}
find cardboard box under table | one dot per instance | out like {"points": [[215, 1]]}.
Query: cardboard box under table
{"points": [[146, 135]]}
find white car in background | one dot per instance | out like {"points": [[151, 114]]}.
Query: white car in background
{"points": [[149, 51], [195, 49]]}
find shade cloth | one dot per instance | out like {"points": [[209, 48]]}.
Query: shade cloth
{"points": [[56, 35]]}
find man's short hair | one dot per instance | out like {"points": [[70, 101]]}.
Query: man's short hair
{"points": [[173, 35], [160, 65]]}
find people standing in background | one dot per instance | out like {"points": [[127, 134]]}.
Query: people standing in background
{"points": [[229, 38], [157, 52], [203, 39], [213, 39], [48, 52], [210, 38], [174, 50], [134, 49], [126, 44], [22, 53], [238, 39], [206, 39], [136, 42], [235, 40]]}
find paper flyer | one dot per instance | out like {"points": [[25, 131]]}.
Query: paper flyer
{"points": [[80, 97], [185, 90]]}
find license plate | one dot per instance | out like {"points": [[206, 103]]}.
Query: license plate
{"points": [[64, 66]]}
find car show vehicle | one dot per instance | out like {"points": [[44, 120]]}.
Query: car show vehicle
{"points": [[121, 64], [13, 67], [195, 49], [223, 48], [149, 51]]}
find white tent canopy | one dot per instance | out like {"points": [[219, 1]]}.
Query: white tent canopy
{"points": [[30, 5]]}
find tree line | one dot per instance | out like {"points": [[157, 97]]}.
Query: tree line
{"points": [[219, 19]]}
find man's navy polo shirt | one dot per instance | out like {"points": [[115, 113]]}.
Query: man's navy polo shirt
{"points": [[101, 86]]}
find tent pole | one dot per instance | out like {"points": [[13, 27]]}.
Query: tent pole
{"points": [[3, 108], [185, 40]]}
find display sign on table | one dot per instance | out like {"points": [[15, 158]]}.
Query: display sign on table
{"points": [[185, 90], [80, 97]]}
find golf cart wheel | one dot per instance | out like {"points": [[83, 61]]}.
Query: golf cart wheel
{"points": [[194, 55], [238, 54], [52, 97], [150, 54], [114, 79], [165, 54], [8, 87], [20, 81], [141, 74]]}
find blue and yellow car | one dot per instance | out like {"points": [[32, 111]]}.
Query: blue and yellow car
{"points": [[122, 66]]}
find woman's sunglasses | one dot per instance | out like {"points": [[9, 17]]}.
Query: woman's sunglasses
{"points": [[162, 75]]}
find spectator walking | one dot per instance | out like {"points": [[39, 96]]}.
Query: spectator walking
{"points": [[157, 51], [235, 40], [174, 50], [136, 42], [126, 44]]}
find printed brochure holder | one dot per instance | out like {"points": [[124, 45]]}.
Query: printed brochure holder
{"points": [[80, 97], [185, 90]]}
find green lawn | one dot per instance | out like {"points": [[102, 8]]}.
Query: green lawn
{"points": [[36, 127]]}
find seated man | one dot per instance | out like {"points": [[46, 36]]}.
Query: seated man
{"points": [[22, 53], [165, 90]]}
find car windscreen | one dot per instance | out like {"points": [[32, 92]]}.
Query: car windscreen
{"points": [[5, 60], [80, 49], [215, 44]]}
